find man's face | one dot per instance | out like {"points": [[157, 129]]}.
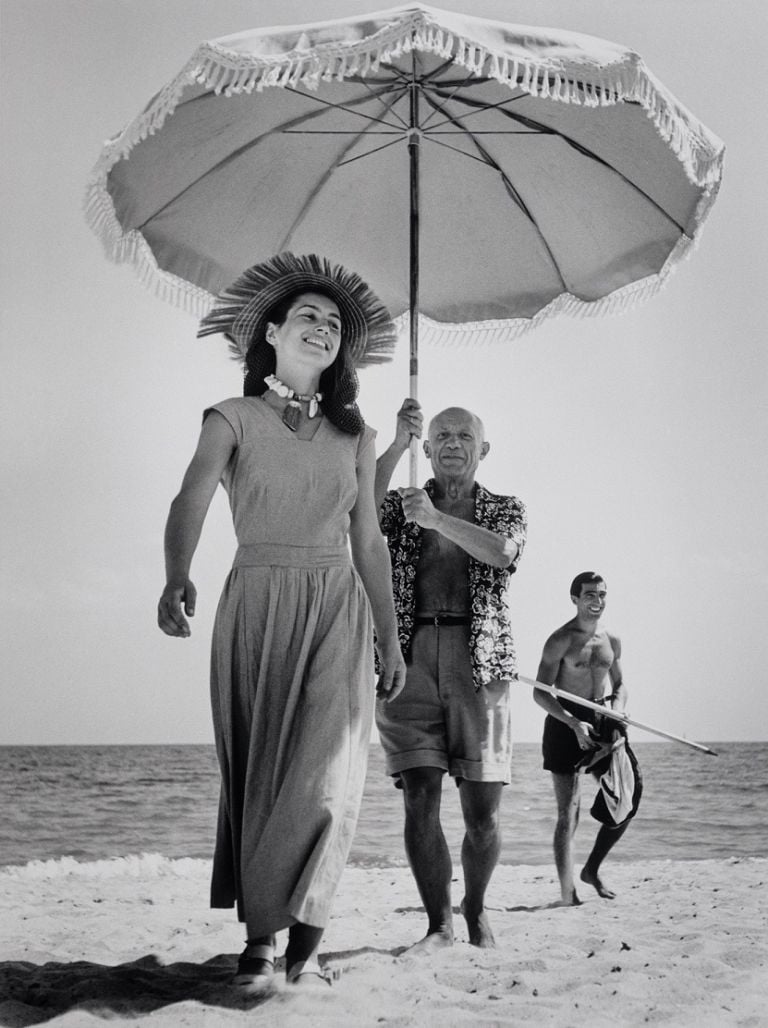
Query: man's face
{"points": [[591, 603], [456, 444]]}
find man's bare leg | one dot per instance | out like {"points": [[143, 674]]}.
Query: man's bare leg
{"points": [[567, 795], [428, 854], [479, 854], [606, 839]]}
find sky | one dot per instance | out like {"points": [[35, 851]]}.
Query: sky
{"points": [[636, 441]]}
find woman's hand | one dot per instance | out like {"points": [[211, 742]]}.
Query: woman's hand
{"points": [[170, 617], [392, 678]]}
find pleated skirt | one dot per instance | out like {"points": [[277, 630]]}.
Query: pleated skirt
{"points": [[292, 692]]}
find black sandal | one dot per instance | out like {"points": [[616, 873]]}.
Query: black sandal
{"points": [[255, 967], [311, 972]]}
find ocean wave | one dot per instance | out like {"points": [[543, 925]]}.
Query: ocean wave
{"points": [[67, 824], [155, 865], [136, 865], [133, 865]]}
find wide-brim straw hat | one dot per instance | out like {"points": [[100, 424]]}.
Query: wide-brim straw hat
{"points": [[241, 311]]}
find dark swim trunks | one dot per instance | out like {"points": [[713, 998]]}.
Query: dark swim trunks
{"points": [[559, 746], [563, 755]]}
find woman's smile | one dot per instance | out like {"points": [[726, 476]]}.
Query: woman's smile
{"points": [[312, 325]]}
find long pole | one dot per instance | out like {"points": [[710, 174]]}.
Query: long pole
{"points": [[614, 715], [414, 146]]}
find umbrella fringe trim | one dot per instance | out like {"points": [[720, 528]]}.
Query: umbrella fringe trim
{"points": [[132, 248], [226, 71], [479, 333]]}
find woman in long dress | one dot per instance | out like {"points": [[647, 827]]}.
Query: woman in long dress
{"points": [[292, 658]]}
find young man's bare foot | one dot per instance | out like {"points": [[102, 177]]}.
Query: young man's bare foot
{"points": [[431, 943], [479, 928], [594, 879]]}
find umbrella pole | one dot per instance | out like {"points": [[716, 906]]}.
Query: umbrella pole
{"points": [[414, 145], [612, 714]]}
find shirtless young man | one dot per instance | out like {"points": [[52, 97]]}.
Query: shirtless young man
{"points": [[582, 658], [454, 546]]}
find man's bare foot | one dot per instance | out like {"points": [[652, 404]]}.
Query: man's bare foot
{"points": [[431, 943], [479, 928], [593, 879]]}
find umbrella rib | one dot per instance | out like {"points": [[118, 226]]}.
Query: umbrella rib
{"points": [[424, 79], [406, 78], [322, 181], [463, 153], [376, 95], [510, 189], [427, 76], [298, 120], [459, 85], [406, 81], [482, 132], [485, 158], [399, 132], [501, 105], [538, 128], [373, 95], [376, 149], [373, 132]]}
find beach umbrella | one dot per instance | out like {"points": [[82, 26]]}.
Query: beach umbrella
{"points": [[481, 176]]}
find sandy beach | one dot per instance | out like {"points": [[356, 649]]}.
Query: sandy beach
{"points": [[684, 943]]}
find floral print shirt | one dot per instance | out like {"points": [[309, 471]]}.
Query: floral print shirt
{"points": [[492, 647]]}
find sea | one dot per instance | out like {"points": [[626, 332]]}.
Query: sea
{"points": [[101, 802]]}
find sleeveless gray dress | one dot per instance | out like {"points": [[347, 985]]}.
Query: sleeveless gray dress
{"points": [[292, 686]]}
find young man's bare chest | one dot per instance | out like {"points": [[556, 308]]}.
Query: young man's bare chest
{"points": [[586, 664], [590, 652]]}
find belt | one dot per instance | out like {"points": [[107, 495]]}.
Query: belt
{"points": [[255, 555], [444, 619]]}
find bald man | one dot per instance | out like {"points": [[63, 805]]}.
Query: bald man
{"points": [[454, 546]]}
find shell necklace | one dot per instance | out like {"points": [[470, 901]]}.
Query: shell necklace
{"points": [[292, 410]]}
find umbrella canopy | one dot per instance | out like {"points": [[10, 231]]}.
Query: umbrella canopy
{"points": [[482, 174]]}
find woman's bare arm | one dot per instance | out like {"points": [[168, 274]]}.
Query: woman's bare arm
{"points": [[371, 558], [185, 522]]}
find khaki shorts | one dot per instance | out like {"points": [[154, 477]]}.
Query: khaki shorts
{"points": [[440, 720]]}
